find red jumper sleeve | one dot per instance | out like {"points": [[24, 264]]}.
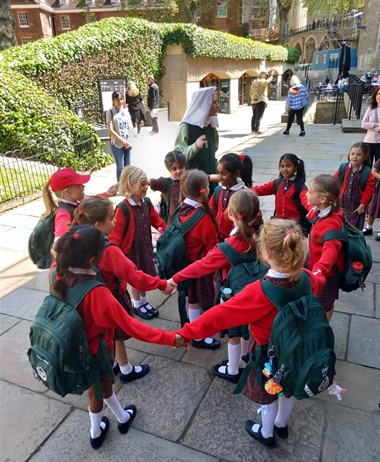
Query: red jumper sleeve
{"points": [[62, 218], [110, 314], [368, 191], [117, 233], [266, 189], [155, 220], [329, 257], [122, 267]]}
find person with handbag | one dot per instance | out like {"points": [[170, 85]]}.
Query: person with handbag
{"points": [[371, 123], [295, 103]]}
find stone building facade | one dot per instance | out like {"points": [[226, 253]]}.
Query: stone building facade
{"points": [[369, 38]]}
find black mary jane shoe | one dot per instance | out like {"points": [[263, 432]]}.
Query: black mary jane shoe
{"points": [[124, 427], [126, 378], [234, 378], [206, 346], [142, 314], [151, 310], [270, 442], [97, 442]]}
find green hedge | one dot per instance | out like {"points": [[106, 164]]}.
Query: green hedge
{"points": [[68, 67], [32, 120]]}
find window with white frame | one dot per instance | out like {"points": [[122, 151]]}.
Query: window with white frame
{"points": [[63, 2], [65, 22], [221, 10], [23, 19], [89, 2], [26, 40]]}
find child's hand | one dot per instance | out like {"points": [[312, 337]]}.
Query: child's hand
{"points": [[112, 190], [360, 209], [171, 288], [180, 342]]}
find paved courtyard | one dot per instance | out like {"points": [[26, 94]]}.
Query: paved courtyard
{"points": [[184, 412]]}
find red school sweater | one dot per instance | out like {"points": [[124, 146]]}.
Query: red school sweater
{"points": [[224, 223], [202, 237], [213, 261], [250, 306], [323, 257], [285, 205], [366, 195], [101, 312], [125, 242], [116, 265]]}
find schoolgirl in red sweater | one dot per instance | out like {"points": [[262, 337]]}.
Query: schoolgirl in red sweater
{"points": [[326, 216], [132, 231], [68, 186], [244, 212], [117, 271], [76, 252], [175, 162], [199, 240], [282, 245], [234, 173], [290, 185], [353, 199]]}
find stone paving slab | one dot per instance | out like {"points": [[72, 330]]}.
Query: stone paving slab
{"points": [[25, 428], [16, 239], [219, 427], [167, 398], [7, 322], [356, 302], [22, 303], [136, 446], [15, 365], [340, 323], [352, 436], [10, 257], [16, 220], [26, 274], [363, 342], [362, 384]]}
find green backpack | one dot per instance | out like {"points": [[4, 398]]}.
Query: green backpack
{"points": [[245, 268], [42, 238], [59, 352], [302, 340], [171, 254], [356, 250], [165, 200]]}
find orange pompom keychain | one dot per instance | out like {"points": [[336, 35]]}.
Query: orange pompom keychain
{"points": [[273, 388]]}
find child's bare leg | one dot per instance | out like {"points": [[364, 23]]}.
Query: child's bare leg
{"points": [[329, 314], [128, 372]]}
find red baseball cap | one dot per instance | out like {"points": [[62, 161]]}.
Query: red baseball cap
{"points": [[66, 177]]}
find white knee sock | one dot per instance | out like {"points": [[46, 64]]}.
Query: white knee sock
{"points": [[233, 358], [144, 300], [113, 403], [244, 350], [268, 414], [96, 421], [285, 407], [194, 313]]}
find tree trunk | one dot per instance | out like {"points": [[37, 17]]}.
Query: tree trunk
{"points": [[7, 33], [283, 8]]}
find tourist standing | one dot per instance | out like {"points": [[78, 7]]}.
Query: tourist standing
{"points": [[259, 100], [153, 102]]}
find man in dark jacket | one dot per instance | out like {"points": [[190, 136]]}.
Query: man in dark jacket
{"points": [[153, 102]]}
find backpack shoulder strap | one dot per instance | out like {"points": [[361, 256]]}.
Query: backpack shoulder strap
{"points": [[217, 192], [277, 184], [77, 293], [127, 215], [336, 235], [364, 177], [148, 202], [234, 257], [280, 296], [167, 187], [342, 169], [190, 223], [66, 207]]}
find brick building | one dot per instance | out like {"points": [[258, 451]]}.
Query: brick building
{"points": [[36, 19]]}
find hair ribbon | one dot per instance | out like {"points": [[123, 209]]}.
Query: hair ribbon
{"points": [[240, 217], [58, 277], [290, 231], [202, 191], [242, 157], [76, 236]]}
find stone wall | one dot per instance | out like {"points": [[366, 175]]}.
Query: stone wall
{"points": [[369, 39], [325, 110]]}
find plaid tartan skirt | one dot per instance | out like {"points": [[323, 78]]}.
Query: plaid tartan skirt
{"points": [[329, 293], [125, 301], [202, 291]]}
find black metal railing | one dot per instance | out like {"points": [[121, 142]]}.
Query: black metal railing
{"points": [[23, 172]]}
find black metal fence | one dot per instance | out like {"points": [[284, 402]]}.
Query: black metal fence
{"points": [[23, 172]]}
